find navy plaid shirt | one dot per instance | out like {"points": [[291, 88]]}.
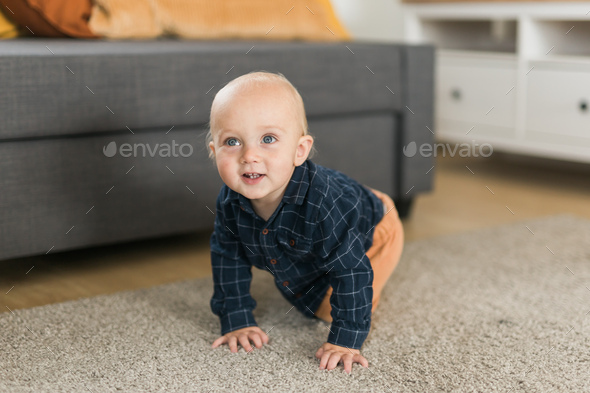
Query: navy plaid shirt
{"points": [[317, 237]]}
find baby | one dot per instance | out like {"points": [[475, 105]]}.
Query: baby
{"points": [[329, 242]]}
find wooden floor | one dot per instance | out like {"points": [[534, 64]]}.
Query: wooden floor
{"points": [[468, 194]]}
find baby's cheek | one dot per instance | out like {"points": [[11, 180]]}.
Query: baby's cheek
{"points": [[225, 167]]}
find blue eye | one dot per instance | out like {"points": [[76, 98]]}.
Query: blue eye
{"points": [[268, 139], [232, 142]]}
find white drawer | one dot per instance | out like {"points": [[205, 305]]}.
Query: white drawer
{"points": [[478, 92], [558, 103]]}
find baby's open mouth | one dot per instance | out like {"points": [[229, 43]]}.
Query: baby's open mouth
{"points": [[252, 175]]}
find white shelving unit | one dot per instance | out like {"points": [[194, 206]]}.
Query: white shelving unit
{"points": [[515, 75]]}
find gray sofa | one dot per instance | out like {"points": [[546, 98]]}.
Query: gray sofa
{"points": [[103, 142]]}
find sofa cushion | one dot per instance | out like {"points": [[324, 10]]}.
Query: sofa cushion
{"points": [[206, 19], [8, 29], [65, 87], [52, 18]]}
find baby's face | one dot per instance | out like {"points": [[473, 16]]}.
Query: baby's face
{"points": [[258, 141]]}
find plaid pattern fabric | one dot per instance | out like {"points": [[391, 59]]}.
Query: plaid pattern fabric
{"points": [[317, 237]]}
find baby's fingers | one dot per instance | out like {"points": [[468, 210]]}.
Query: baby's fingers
{"points": [[233, 344], [329, 360], [257, 340], [319, 353], [348, 361], [360, 359], [334, 360], [347, 364], [245, 342], [221, 340], [324, 357]]}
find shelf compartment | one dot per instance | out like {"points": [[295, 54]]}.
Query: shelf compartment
{"points": [[473, 35], [562, 38]]}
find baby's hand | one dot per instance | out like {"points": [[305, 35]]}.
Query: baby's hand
{"points": [[243, 336], [330, 355]]}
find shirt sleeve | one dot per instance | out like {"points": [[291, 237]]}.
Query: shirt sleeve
{"points": [[232, 275], [341, 246]]}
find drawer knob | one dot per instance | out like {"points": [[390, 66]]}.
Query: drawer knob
{"points": [[456, 94], [584, 106]]}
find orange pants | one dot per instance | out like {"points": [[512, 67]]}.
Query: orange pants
{"points": [[384, 254]]}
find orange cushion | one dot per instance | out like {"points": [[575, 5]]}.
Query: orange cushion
{"points": [[8, 29], [53, 18], [312, 20]]}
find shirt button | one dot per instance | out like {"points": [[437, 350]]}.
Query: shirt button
{"points": [[297, 296], [285, 283], [264, 231], [292, 242], [242, 207], [273, 261]]}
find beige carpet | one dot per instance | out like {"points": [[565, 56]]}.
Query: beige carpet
{"points": [[503, 309]]}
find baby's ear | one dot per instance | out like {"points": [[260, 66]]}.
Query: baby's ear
{"points": [[211, 149], [303, 149]]}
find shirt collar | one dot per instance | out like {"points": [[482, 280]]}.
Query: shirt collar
{"points": [[294, 193], [298, 185]]}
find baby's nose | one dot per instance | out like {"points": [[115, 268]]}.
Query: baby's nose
{"points": [[250, 153]]}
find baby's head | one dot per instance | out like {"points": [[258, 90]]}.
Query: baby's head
{"points": [[258, 133], [253, 80]]}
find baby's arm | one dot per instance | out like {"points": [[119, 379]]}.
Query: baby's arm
{"points": [[243, 336], [231, 299], [342, 248]]}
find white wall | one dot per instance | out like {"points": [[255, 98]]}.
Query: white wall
{"points": [[375, 20]]}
